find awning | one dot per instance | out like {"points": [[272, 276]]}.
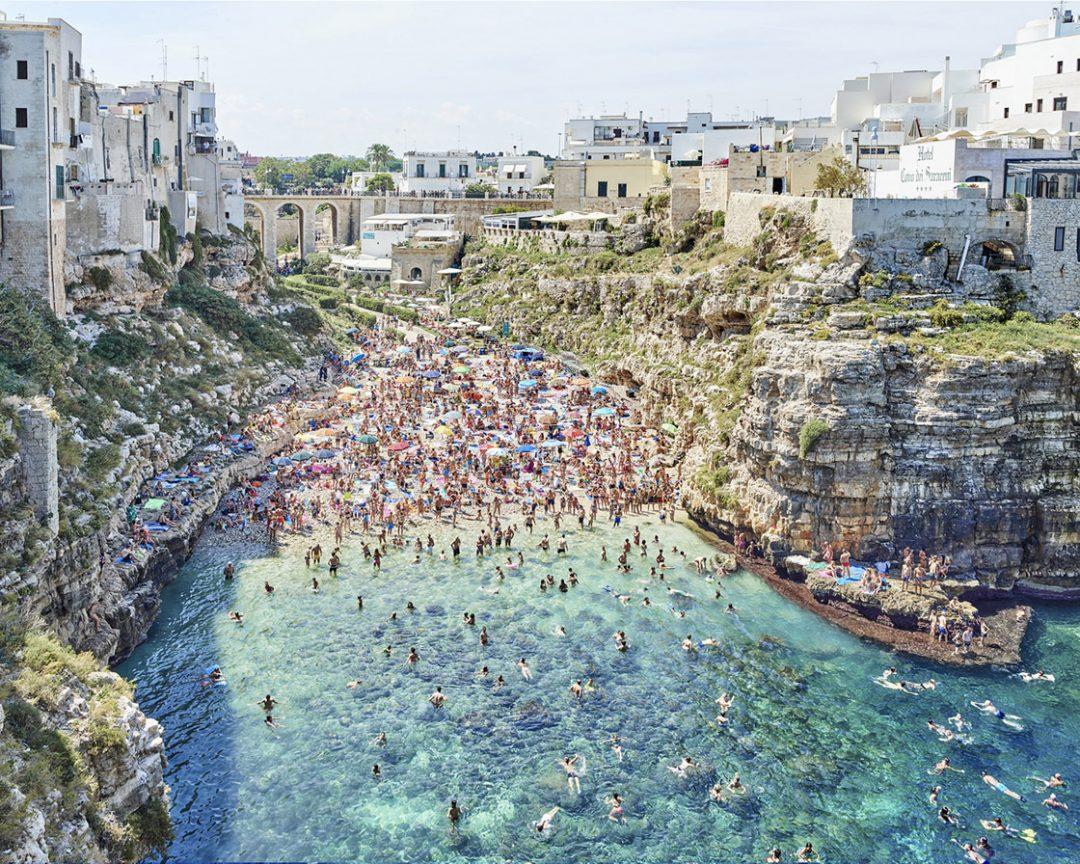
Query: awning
{"points": [[449, 271]]}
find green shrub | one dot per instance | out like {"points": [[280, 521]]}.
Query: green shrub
{"points": [[930, 247], [101, 461], [305, 320], [369, 303], [809, 434], [100, 277], [197, 254], [316, 263], [133, 430], [718, 219], [152, 829], [120, 349], [328, 302], [945, 316], [321, 279], [34, 344], [225, 315], [151, 265], [167, 236]]}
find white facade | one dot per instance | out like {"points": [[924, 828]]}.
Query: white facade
{"points": [[40, 117], [519, 174], [606, 136], [1034, 82], [437, 173], [380, 234], [358, 181], [714, 144]]}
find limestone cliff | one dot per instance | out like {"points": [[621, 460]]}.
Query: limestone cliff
{"points": [[817, 399], [158, 354]]}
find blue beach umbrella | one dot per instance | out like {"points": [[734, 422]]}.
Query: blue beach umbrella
{"points": [[358, 356], [599, 391], [526, 448], [603, 412], [526, 384]]}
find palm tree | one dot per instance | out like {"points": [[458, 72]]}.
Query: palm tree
{"points": [[379, 156]]}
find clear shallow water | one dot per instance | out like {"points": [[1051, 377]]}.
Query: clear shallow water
{"points": [[828, 755]]}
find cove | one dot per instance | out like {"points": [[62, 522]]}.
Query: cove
{"points": [[827, 755]]}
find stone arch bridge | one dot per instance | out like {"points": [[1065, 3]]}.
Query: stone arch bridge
{"points": [[348, 212]]}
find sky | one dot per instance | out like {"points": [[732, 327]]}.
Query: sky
{"points": [[296, 78]]}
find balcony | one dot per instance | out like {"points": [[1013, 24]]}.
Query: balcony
{"points": [[157, 159], [7, 199], [7, 139]]}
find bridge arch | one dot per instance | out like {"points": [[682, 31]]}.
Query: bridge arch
{"points": [[329, 224]]}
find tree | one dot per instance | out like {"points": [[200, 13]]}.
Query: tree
{"points": [[379, 156], [380, 183], [321, 165], [839, 178], [270, 172], [479, 190]]}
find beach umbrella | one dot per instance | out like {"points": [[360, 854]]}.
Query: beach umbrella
{"points": [[404, 349], [444, 432], [451, 415], [603, 412], [599, 391], [368, 439], [405, 379], [574, 433], [526, 384], [281, 461], [302, 456], [581, 382], [357, 357], [398, 447], [462, 370], [326, 454], [325, 432], [460, 349], [526, 448], [495, 452], [552, 443], [431, 374]]}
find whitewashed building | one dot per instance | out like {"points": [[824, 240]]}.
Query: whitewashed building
{"points": [[441, 173], [517, 175]]}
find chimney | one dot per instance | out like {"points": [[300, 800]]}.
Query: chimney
{"points": [[945, 91]]}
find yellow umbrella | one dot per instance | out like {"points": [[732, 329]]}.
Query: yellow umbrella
{"points": [[325, 432], [444, 431]]}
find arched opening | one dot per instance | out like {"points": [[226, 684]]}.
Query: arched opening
{"points": [[326, 226], [289, 224], [977, 178], [416, 274], [999, 254]]}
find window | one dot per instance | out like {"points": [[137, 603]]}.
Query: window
{"points": [[521, 175], [601, 189], [71, 66], [20, 118], [59, 190], [170, 116], [1027, 107], [1059, 238], [1078, 244], [1006, 114], [1038, 106], [1060, 103], [621, 190], [442, 169], [21, 71], [1060, 66], [419, 169], [52, 78], [463, 170]]}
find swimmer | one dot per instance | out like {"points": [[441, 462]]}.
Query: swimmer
{"points": [[526, 672], [943, 766], [775, 856], [413, 657], [268, 588], [915, 686], [1028, 677], [560, 630], [437, 698], [684, 768], [268, 703], [716, 793], [569, 765], [959, 722], [352, 685], [576, 689], [237, 617], [616, 746], [543, 824], [688, 644], [453, 814], [499, 683], [616, 812], [807, 854], [1051, 782], [991, 781], [947, 816], [379, 740], [935, 792], [730, 609], [269, 721], [1054, 803], [725, 701], [736, 786], [214, 676], [710, 643], [376, 771], [969, 851], [229, 570], [988, 707], [942, 733], [314, 585]]}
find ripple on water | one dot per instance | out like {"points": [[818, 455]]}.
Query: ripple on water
{"points": [[826, 754]]}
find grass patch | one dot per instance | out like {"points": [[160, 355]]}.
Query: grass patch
{"points": [[810, 433]]}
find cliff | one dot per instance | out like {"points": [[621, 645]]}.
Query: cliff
{"points": [[160, 354], [879, 406]]}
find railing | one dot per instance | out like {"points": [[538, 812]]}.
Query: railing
{"points": [[157, 159], [7, 198], [73, 141]]}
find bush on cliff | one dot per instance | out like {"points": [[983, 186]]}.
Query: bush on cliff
{"points": [[34, 345], [809, 434], [225, 315], [120, 349], [304, 320]]}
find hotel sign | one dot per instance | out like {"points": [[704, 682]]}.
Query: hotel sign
{"points": [[928, 170]]}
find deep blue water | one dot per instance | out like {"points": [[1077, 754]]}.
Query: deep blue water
{"points": [[827, 755]]}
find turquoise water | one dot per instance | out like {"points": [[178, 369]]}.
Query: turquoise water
{"points": [[828, 755]]}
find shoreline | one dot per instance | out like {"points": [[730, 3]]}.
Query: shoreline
{"points": [[1007, 619]]}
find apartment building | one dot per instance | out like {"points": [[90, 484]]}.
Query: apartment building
{"points": [[516, 175], [442, 173]]}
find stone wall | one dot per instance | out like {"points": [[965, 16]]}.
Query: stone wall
{"points": [[550, 241], [1055, 275], [37, 447], [831, 218], [109, 217]]}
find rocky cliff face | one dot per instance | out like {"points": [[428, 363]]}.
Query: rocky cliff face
{"points": [[874, 404], [155, 357]]}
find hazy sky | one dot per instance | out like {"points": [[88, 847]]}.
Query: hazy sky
{"points": [[300, 78]]}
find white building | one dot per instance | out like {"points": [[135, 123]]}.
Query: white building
{"points": [[40, 123], [608, 136], [714, 143], [1034, 82], [358, 181], [379, 234], [515, 175], [441, 173]]}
